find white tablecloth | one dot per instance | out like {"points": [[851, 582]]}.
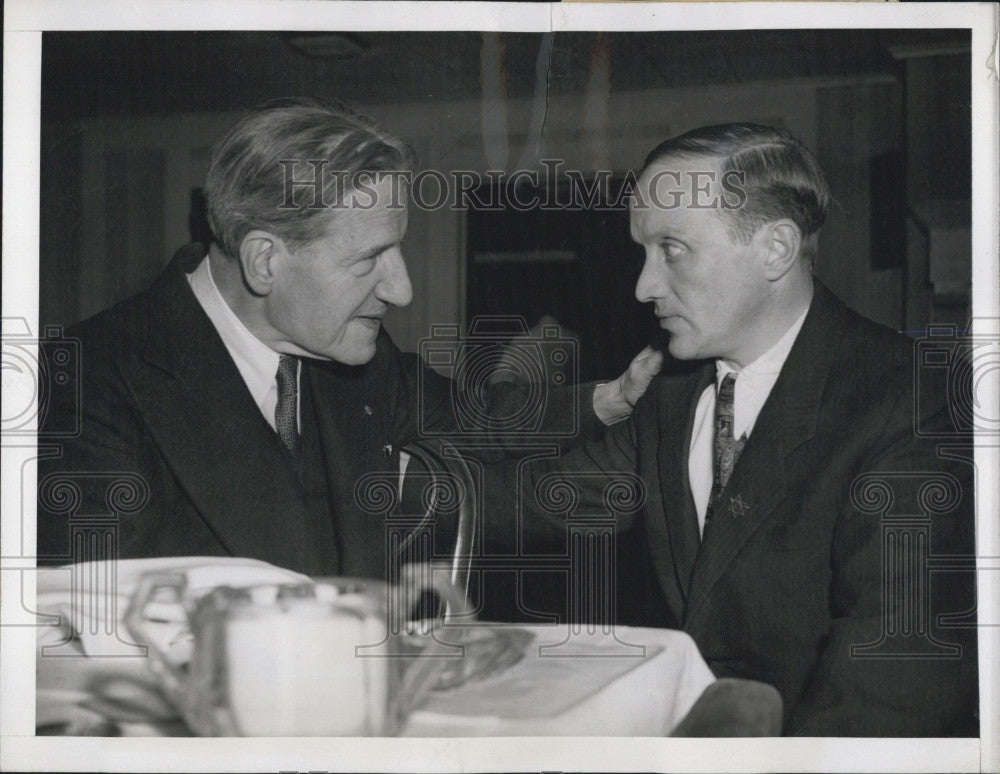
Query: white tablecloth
{"points": [[92, 680]]}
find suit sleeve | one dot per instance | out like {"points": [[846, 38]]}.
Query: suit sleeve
{"points": [[888, 667], [593, 477], [495, 416], [587, 454]]}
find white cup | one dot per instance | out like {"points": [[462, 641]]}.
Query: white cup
{"points": [[327, 658]]}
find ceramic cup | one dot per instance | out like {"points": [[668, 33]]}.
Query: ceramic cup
{"points": [[333, 657]]}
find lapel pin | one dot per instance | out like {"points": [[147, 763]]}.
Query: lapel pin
{"points": [[737, 507], [387, 450], [368, 410]]}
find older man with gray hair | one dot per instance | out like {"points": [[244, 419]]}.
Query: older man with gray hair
{"points": [[253, 386]]}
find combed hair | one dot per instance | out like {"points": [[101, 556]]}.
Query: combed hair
{"points": [[246, 183], [781, 177]]}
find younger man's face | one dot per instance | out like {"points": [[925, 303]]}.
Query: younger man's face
{"points": [[706, 287]]}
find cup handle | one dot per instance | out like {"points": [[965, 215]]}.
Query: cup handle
{"points": [[419, 677], [415, 579], [171, 678]]}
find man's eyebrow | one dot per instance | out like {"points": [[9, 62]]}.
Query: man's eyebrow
{"points": [[659, 234], [371, 253]]}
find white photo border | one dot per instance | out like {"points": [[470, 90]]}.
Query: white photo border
{"points": [[20, 749]]}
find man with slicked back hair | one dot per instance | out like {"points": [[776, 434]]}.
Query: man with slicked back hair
{"points": [[769, 446]]}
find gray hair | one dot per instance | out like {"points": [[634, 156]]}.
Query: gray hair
{"points": [[247, 183]]}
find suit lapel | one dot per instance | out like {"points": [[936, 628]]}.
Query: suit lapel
{"points": [[210, 431], [674, 529], [349, 421], [759, 481]]}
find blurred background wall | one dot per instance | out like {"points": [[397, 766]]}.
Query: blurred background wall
{"points": [[128, 120]]}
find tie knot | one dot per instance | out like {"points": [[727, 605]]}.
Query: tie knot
{"points": [[286, 410], [727, 390], [288, 371]]}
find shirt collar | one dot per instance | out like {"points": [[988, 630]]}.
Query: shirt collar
{"points": [[755, 380], [257, 362], [770, 362]]}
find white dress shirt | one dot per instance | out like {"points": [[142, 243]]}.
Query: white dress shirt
{"points": [[257, 362], [753, 384]]}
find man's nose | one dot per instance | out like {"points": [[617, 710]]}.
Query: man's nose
{"points": [[394, 285], [650, 285]]}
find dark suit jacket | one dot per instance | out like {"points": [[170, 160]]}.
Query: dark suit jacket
{"points": [[163, 400], [794, 572]]}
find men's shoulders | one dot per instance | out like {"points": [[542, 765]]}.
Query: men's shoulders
{"points": [[160, 329], [133, 320], [124, 323], [873, 337], [860, 349], [113, 333], [876, 354], [877, 380]]}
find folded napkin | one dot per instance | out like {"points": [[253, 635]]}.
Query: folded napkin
{"points": [[91, 598], [92, 677]]}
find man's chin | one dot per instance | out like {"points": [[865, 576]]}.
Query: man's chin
{"points": [[681, 349], [355, 353], [356, 356]]}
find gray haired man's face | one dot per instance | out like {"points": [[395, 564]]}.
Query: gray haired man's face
{"points": [[329, 296]]}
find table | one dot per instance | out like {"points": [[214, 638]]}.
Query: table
{"points": [[569, 680]]}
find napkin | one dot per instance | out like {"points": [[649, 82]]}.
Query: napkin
{"points": [[91, 675], [91, 598]]}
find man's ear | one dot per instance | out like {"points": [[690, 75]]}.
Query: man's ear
{"points": [[781, 242], [257, 253]]}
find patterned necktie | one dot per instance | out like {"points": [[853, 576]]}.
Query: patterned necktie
{"points": [[285, 413], [727, 450]]}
